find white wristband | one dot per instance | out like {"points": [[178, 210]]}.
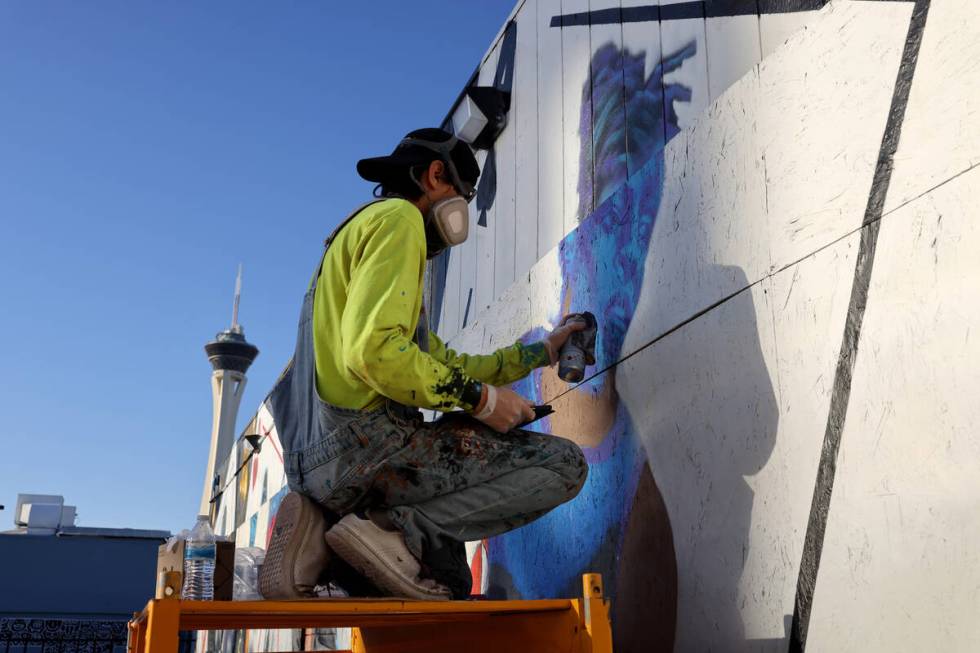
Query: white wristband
{"points": [[490, 405]]}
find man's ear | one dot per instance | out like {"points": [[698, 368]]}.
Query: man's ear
{"points": [[435, 174]]}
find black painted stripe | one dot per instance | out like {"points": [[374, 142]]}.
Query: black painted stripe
{"points": [[789, 6], [466, 313], [840, 396], [689, 10], [682, 11], [639, 14]]}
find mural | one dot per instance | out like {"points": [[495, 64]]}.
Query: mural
{"points": [[602, 264]]}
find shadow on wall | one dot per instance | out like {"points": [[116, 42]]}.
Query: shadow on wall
{"points": [[649, 534], [708, 416]]}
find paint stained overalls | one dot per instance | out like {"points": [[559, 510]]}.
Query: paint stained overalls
{"points": [[441, 483]]}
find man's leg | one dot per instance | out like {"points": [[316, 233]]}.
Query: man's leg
{"points": [[456, 480]]}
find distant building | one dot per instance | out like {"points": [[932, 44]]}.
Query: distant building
{"points": [[70, 587]]}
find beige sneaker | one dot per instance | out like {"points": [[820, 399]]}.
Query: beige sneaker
{"points": [[297, 553], [382, 557]]}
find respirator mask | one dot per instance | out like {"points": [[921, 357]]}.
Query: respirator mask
{"points": [[447, 222]]}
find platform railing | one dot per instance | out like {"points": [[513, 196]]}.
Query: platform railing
{"points": [[388, 625]]}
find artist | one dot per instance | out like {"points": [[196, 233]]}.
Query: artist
{"points": [[393, 496]]}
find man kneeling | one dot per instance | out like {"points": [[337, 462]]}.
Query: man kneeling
{"points": [[399, 495]]}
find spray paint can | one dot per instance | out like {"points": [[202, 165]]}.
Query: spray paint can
{"points": [[579, 350]]}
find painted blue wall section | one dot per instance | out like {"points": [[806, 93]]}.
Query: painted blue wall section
{"points": [[602, 265]]}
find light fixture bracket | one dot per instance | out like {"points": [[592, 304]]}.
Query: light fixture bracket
{"points": [[481, 116]]}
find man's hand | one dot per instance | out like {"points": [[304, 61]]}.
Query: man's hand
{"points": [[554, 340], [502, 409]]}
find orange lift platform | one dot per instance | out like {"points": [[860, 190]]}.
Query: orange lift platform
{"points": [[396, 625]]}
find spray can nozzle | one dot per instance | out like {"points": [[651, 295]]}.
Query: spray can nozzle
{"points": [[579, 350]]}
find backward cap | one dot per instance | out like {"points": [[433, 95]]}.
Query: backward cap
{"points": [[405, 155]]}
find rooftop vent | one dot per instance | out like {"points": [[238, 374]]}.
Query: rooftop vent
{"points": [[43, 514]]}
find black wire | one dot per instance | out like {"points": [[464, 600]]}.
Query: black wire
{"points": [[248, 458]]}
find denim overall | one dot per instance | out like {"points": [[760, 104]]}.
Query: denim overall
{"points": [[441, 483]]}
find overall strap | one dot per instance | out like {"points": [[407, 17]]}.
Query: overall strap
{"points": [[333, 235]]}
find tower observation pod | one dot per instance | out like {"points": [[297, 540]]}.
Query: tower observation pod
{"points": [[230, 356]]}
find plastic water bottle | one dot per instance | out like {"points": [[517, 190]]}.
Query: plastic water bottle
{"points": [[199, 553]]}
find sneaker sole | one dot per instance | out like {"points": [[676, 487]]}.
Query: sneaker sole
{"points": [[347, 543], [296, 524]]}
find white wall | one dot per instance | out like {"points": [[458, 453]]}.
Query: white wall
{"points": [[729, 362]]}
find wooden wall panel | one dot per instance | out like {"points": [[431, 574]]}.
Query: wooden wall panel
{"points": [[902, 524], [705, 407], [524, 116], [941, 134], [446, 323], [464, 257], [551, 141], [608, 138], [710, 219], [505, 154], [576, 109], [644, 86], [777, 23], [679, 36], [478, 269], [813, 199], [733, 43]]}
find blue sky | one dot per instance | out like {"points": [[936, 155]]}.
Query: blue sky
{"points": [[145, 150]]}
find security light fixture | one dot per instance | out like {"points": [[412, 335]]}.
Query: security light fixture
{"points": [[481, 115]]}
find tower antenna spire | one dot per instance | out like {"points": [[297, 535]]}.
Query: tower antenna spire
{"points": [[230, 356], [238, 296]]}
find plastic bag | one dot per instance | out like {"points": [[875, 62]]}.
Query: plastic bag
{"points": [[330, 591], [247, 562], [179, 537]]}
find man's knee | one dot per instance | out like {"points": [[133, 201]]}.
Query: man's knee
{"points": [[570, 464]]}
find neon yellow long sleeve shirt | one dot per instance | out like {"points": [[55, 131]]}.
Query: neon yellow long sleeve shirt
{"points": [[365, 313]]}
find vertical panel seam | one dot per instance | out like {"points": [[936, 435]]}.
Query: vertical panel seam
{"points": [[622, 69], [537, 142], [513, 108], [561, 61], [578, 218]]}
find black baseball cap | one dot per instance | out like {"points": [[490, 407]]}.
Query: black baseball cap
{"points": [[421, 147]]}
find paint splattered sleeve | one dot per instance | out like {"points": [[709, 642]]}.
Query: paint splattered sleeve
{"points": [[383, 301], [502, 367]]}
